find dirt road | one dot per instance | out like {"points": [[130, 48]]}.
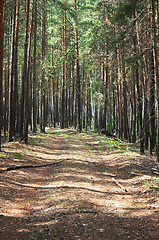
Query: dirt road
{"points": [[96, 190]]}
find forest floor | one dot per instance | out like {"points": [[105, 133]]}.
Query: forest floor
{"points": [[91, 187]]}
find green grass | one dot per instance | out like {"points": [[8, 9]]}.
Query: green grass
{"points": [[90, 148], [31, 199], [66, 134], [3, 155], [93, 141], [36, 139], [17, 155], [123, 152], [152, 183], [100, 142]]}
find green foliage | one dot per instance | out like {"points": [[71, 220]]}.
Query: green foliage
{"points": [[114, 144], [124, 11], [98, 98]]}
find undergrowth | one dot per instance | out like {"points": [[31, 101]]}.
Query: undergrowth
{"points": [[95, 141]]}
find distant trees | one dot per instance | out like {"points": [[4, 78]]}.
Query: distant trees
{"points": [[83, 64]]}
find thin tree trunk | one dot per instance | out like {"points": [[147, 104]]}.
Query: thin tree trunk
{"points": [[11, 122], [101, 89], [64, 76], [152, 105], [156, 67], [105, 78], [16, 112], [24, 73], [114, 103], [125, 117], [79, 126], [84, 97], [1, 61], [120, 115], [42, 91], [28, 85], [57, 100], [139, 93], [53, 88], [6, 99], [72, 94], [134, 105], [139, 84], [34, 111]]}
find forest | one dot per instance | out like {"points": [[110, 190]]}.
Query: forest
{"points": [[86, 64], [79, 119]]}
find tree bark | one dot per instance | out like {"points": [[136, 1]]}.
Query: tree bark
{"points": [[28, 85], [11, 122], [42, 78], [1, 61], [156, 67], [64, 76], [24, 72], [34, 104], [139, 84], [125, 117], [15, 73], [120, 113], [77, 74]]}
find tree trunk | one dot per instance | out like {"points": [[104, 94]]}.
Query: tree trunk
{"points": [[139, 93], [1, 61], [28, 85], [11, 122], [15, 72], [125, 117], [64, 76], [6, 99], [139, 84], [152, 105], [34, 111], [77, 74], [24, 73], [133, 105], [120, 114], [156, 67], [42, 79]]}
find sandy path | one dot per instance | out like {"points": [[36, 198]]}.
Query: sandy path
{"points": [[90, 195]]}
